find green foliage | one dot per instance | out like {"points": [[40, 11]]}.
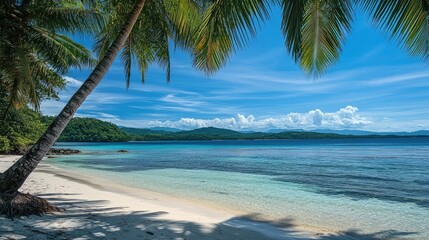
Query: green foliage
{"points": [[34, 52], [90, 130], [314, 30], [226, 26], [405, 21], [19, 128], [4, 144], [22, 128], [211, 133], [148, 42], [325, 27]]}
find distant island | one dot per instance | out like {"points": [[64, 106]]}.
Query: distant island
{"points": [[29, 125], [95, 130]]}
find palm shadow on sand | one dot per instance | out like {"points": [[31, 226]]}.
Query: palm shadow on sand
{"points": [[91, 220]]}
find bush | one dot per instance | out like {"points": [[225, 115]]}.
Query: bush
{"points": [[4, 144], [19, 128]]}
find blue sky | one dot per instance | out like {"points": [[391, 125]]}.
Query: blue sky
{"points": [[374, 86]]}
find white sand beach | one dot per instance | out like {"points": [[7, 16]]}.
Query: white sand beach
{"points": [[100, 209]]}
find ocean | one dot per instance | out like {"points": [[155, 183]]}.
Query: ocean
{"points": [[369, 188]]}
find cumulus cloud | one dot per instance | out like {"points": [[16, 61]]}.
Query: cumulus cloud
{"points": [[345, 118], [72, 81]]}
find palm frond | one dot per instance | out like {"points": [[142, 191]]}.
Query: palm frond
{"points": [[292, 20], [162, 54], [405, 21], [48, 81], [325, 26], [60, 51], [126, 56], [143, 66], [183, 17], [72, 17], [227, 26], [33, 54], [148, 42], [16, 75], [103, 41]]}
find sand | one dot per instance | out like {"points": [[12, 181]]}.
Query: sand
{"points": [[101, 209]]}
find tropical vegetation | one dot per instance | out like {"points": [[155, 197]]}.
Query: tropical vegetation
{"points": [[90, 130], [34, 50], [314, 30], [19, 128], [22, 127], [211, 133]]}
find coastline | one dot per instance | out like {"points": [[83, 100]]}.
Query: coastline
{"points": [[98, 207]]}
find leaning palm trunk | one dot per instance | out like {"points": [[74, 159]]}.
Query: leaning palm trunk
{"points": [[13, 203]]}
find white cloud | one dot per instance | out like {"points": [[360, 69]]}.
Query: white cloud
{"points": [[72, 81], [99, 115], [171, 98], [345, 118], [400, 78]]}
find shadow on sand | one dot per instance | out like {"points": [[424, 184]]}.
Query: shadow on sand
{"points": [[92, 220]]}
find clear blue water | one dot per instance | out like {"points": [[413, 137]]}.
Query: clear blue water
{"points": [[369, 185]]}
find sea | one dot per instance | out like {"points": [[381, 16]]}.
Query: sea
{"points": [[369, 188]]}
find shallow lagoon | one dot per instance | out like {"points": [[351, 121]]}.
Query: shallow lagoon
{"points": [[370, 186]]}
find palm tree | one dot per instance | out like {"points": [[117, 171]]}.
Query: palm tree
{"points": [[34, 54], [159, 22], [148, 41], [315, 31]]}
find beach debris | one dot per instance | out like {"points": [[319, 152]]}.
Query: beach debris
{"points": [[63, 151]]}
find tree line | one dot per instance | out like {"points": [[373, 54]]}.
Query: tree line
{"points": [[21, 128]]}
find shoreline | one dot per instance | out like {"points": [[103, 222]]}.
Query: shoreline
{"points": [[107, 185], [164, 199], [174, 217]]}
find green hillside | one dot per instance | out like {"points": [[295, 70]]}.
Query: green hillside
{"points": [[19, 129], [211, 133], [91, 130]]}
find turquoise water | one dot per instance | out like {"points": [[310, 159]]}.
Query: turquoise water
{"points": [[365, 186]]}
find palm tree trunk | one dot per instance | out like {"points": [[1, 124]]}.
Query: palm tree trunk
{"points": [[13, 178]]}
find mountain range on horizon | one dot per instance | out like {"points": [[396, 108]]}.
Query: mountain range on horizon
{"points": [[96, 130], [327, 131], [341, 131]]}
